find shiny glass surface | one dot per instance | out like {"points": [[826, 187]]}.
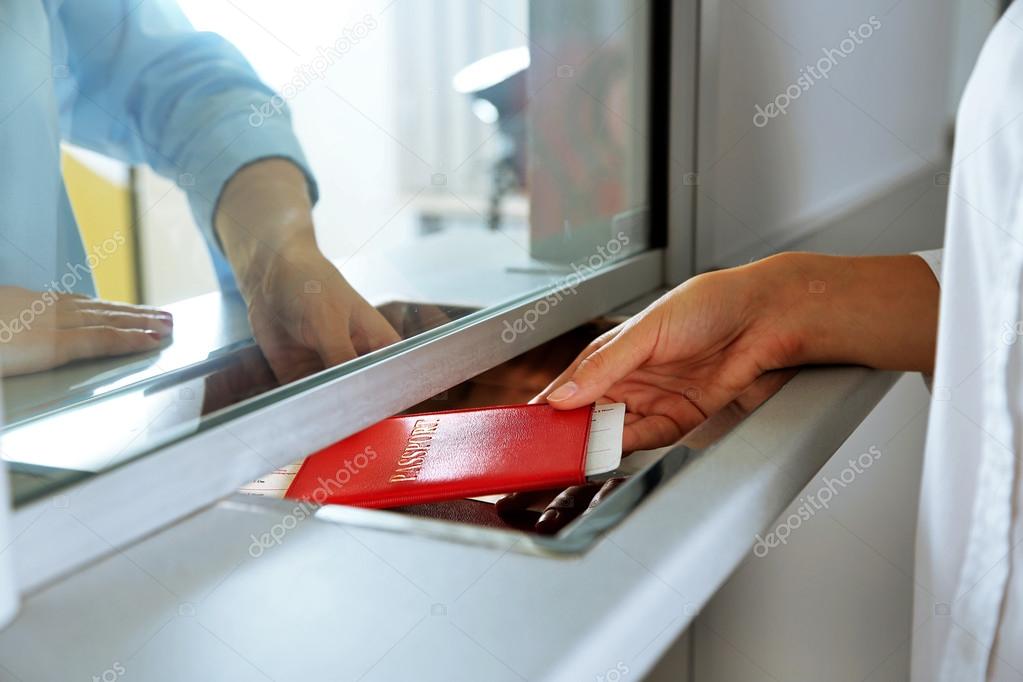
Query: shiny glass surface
{"points": [[463, 156]]}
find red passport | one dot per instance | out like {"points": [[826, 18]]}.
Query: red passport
{"points": [[413, 459]]}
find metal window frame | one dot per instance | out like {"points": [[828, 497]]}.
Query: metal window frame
{"points": [[57, 534], [97, 516], [684, 54]]}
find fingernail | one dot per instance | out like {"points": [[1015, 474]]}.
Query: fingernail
{"points": [[564, 392], [548, 522], [154, 334]]}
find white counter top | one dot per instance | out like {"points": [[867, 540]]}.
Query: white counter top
{"points": [[338, 603]]}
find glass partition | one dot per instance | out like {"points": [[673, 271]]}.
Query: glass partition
{"points": [[216, 199]]}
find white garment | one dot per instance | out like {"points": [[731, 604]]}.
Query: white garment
{"points": [[968, 615]]}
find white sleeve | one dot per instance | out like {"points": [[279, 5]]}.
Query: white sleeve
{"points": [[933, 260]]}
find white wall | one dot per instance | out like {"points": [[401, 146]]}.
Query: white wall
{"points": [[879, 117]]}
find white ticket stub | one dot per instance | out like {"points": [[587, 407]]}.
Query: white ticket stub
{"points": [[604, 449]]}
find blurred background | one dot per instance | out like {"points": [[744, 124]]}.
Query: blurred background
{"points": [[413, 116]]}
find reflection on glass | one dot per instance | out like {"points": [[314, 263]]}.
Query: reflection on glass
{"points": [[214, 198]]}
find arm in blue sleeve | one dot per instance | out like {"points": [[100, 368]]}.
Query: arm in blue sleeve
{"points": [[147, 87]]}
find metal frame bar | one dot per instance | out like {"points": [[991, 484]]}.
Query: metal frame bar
{"points": [[681, 165], [572, 540]]}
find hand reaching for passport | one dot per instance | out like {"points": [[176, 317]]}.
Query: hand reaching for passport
{"points": [[701, 348], [718, 340], [682, 359]]}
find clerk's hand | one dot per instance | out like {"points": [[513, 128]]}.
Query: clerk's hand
{"points": [[43, 330], [685, 357], [713, 342], [303, 313], [703, 344]]}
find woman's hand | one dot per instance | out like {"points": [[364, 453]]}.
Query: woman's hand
{"points": [[712, 342], [683, 358], [303, 313], [702, 345], [43, 330]]}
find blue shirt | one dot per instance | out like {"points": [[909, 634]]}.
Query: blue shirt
{"points": [[132, 80]]}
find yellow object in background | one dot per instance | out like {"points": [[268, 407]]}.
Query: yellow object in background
{"points": [[101, 198]]}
